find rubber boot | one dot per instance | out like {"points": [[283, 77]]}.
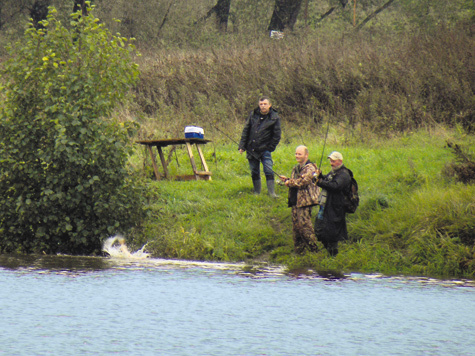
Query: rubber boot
{"points": [[271, 188], [257, 186], [332, 248]]}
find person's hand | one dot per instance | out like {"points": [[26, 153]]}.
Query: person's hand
{"points": [[241, 150], [283, 178], [316, 176]]}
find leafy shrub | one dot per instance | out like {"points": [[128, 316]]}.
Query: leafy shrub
{"points": [[63, 178]]}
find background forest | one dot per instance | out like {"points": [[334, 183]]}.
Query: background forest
{"points": [[199, 23], [393, 79], [374, 65]]}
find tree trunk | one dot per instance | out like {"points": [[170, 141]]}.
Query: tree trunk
{"points": [[222, 13], [285, 14], [39, 12], [221, 9], [80, 5]]}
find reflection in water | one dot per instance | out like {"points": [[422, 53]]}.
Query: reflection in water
{"points": [[53, 263], [63, 305], [131, 304], [114, 247], [120, 257]]}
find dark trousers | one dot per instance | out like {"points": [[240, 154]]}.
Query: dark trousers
{"points": [[327, 236]]}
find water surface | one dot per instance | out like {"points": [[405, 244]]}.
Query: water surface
{"points": [[60, 305]]}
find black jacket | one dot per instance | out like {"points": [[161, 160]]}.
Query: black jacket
{"points": [[333, 226], [260, 133]]}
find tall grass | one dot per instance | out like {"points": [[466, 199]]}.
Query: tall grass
{"points": [[384, 85]]}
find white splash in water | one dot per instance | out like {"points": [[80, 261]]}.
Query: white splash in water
{"points": [[115, 246]]}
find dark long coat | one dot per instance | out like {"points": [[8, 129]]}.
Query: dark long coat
{"points": [[332, 227]]}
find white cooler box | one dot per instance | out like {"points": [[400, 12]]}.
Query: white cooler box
{"points": [[194, 132]]}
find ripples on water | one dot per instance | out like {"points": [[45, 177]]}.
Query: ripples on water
{"points": [[130, 304]]}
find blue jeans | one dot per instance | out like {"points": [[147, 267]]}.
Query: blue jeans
{"points": [[254, 165]]}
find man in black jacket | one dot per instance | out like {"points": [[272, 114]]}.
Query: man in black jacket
{"points": [[330, 223], [260, 137]]}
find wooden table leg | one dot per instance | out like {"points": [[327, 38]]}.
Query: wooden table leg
{"points": [[192, 160], [154, 163], [203, 161], [164, 163]]}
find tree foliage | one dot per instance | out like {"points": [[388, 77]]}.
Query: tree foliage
{"points": [[179, 24], [63, 179]]}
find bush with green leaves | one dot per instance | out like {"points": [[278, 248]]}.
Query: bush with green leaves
{"points": [[64, 182]]}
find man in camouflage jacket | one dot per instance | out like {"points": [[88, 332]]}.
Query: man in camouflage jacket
{"points": [[303, 194]]}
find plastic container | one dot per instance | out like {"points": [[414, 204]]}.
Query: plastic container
{"points": [[194, 132]]}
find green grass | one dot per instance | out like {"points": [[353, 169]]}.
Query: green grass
{"points": [[412, 218]]}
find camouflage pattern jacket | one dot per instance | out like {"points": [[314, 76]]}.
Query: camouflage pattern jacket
{"points": [[303, 192]]}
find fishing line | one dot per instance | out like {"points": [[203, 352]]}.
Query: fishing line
{"points": [[251, 153]]}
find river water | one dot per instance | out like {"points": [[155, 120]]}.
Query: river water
{"points": [[132, 305]]}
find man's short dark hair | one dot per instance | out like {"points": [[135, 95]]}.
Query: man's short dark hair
{"points": [[262, 98]]}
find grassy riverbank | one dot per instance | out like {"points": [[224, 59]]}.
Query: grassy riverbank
{"points": [[388, 110], [414, 218], [389, 91]]}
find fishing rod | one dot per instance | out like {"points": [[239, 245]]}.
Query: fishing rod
{"points": [[251, 153], [324, 143]]}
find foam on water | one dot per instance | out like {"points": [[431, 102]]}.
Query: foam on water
{"points": [[115, 246], [122, 257]]}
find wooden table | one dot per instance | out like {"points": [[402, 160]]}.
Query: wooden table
{"points": [[198, 142]]}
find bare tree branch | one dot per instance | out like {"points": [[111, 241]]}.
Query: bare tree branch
{"points": [[328, 13], [377, 11], [165, 18]]}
